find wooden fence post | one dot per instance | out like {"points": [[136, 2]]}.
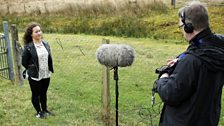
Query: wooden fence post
{"points": [[17, 53], [173, 3], [106, 91], [9, 51]]}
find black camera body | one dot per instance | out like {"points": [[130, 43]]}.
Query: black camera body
{"points": [[165, 69], [161, 70]]}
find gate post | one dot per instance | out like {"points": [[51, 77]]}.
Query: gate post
{"points": [[17, 54], [173, 3], [9, 51]]}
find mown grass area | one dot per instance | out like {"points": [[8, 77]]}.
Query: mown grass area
{"points": [[75, 91], [157, 22]]}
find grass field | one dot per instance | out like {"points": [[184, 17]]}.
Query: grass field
{"points": [[156, 21], [75, 91]]}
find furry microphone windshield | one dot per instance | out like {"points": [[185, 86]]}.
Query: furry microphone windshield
{"points": [[113, 55]]}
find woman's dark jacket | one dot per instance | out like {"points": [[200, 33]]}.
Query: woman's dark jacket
{"points": [[192, 93], [30, 59]]}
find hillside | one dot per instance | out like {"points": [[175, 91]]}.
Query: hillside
{"points": [[28, 7], [158, 21]]}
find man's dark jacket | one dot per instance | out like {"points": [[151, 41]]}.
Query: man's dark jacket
{"points": [[192, 93], [30, 59]]}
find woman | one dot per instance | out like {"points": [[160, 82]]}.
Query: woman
{"points": [[37, 60]]}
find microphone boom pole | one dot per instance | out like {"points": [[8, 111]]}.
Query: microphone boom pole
{"points": [[116, 92]]}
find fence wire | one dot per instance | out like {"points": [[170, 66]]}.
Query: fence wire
{"points": [[77, 52]]}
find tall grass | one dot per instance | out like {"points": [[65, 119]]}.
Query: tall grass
{"points": [[126, 20], [156, 22]]}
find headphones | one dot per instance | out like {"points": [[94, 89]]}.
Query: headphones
{"points": [[188, 27]]}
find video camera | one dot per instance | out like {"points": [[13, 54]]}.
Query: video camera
{"points": [[161, 70], [165, 69]]}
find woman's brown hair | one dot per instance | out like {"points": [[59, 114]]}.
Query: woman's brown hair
{"points": [[27, 38]]}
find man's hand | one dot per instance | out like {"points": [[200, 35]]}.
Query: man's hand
{"points": [[171, 62], [164, 75]]}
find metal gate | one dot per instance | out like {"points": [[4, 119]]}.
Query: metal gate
{"points": [[4, 69], [6, 62]]}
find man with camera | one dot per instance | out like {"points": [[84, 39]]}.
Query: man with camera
{"points": [[191, 85]]}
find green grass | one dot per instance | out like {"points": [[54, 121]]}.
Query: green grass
{"points": [[74, 94], [160, 23]]}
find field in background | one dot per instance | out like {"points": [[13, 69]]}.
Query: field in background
{"points": [[75, 91], [85, 7], [157, 21]]}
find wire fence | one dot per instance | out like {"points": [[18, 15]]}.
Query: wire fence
{"points": [[77, 52]]}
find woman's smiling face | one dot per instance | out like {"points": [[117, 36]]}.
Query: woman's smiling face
{"points": [[37, 33]]}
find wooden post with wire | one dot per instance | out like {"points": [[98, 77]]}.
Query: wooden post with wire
{"points": [[173, 3], [17, 54], [106, 92]]}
